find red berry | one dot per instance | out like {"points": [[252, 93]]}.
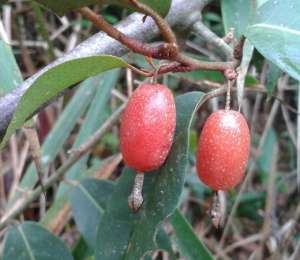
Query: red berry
{"points": [[147, 127], [223, 150]]}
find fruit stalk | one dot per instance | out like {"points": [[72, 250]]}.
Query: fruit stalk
{"points": [[135, 199]]}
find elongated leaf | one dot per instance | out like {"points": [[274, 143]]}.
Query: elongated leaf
{"points": [[188, 243], [237, 14], [63, 6], [135, 232], [54, 81], [94, 118], [33, 242], [275, 32], [10, 75], [88, 202], [58, 135]]}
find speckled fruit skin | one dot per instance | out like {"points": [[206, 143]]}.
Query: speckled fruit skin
{"points": [[223, 150], [147, 127]]}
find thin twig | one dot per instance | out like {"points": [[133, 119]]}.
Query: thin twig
{"points": [[35, 148], [163, 26], [243, 242], [270, 201], [164, 51]]}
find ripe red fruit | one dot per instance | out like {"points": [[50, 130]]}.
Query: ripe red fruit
{"points": [[147, 127], [223, 150]]}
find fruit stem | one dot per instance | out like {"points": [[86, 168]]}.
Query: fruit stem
{"points": [[228, 97], [218, 209], [135, 199]]}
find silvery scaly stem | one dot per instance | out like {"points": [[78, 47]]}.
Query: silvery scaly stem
{"points": [[135, 199], [218, 209]]}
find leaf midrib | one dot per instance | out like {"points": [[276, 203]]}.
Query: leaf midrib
{"points": [[274, 27], [90, 197], [28, 248]]}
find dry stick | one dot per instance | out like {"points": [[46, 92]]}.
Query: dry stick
{"points": [[31, 196], [243, 242], [270, 201], [19, 168], [35, 149], [251, 170], [13, 145]]}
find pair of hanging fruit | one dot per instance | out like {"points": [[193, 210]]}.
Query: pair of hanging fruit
{"points": [[147, 131]]}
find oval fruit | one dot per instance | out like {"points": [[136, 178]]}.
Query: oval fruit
{"points": [[223, 150], [147, 127]]}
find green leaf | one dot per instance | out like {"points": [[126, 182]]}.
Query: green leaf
{"points": [[123, 234], [187, 241], [10, 75], [95, 117], [237, 14], [30, 241], [275, 33], [63, 6], [54, 81], [272, 77], [60, 132], [88, 202], [82, 251]]}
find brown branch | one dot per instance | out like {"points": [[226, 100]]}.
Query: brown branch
{"points": [[164, 51], [163, 26], [168, 51]]}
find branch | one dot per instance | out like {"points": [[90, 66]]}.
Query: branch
{"points": [[200, 29], [182, 14], [164, 51]]}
